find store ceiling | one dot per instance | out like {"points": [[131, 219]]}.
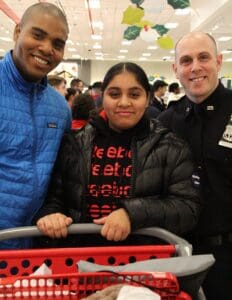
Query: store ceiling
{"points": [[211, 16]]}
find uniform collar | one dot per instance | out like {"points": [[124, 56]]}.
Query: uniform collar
{"points": [[208, 107]]}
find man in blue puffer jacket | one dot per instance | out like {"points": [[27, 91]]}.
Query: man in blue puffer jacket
{"points": [[33, 116]]}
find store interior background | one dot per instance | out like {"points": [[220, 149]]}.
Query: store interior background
{"points": [[100, 31]]}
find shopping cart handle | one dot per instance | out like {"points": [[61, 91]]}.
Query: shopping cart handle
{"points": [[183, 248]]}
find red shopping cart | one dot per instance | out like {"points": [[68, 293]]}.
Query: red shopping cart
{"points": [[66, 282]]}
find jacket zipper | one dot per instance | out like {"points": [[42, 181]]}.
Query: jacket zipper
{"points": [[33, 152], [134, 166]]}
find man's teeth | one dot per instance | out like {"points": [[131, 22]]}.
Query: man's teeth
{"points": [[41, 61], [197, 79]]}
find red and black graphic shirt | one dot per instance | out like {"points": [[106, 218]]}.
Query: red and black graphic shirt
{"points": [[111, 169]]}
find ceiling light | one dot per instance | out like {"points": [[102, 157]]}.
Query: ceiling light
{"points": [[126, 42], [215, 27], [99, 57], [97, 24], [229, 59], [98, 53], [2, 50], [226, 51], [97, 46], [146, 54], [121, 56], [224, 38], [142, 58], [76, 56], [5, 39], [171, 25], [182, 12], [152, 47], [123, 51], [96, 37], [166, 58], [69, 42], [72, 50], [92, 3]]}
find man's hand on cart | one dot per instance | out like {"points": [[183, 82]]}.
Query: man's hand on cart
{"points": [[54, 225], [116, 226]]}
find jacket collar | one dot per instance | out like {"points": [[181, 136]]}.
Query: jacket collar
{"points": [[16, 78], [77, 124], [100, 122]]}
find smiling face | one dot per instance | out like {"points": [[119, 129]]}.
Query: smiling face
{"points": [[124, 101], [197, 65], [39, 45]]}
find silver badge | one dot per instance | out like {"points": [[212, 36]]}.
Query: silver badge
{"points": [[226, 139]]}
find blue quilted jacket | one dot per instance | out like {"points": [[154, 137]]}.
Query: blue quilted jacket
{"points": [[33, 118]]}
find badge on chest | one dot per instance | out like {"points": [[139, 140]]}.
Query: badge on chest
{"points": [[226, 139]]}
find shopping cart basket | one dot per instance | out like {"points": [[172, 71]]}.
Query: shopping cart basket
{"points": [[66, 283]]}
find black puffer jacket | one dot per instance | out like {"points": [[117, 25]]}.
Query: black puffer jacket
{"points": [[162, 188]]}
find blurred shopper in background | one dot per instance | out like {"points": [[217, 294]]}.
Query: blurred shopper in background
{"points": [[71, 93], [82, 107], [96, 93], [157, 97], [77, 84], [59, 84], [174, 93]]}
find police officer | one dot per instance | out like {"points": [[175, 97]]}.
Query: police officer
{"points": [[204, 118]]}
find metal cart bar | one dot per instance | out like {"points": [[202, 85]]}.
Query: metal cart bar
{"points": [[183, 248]]}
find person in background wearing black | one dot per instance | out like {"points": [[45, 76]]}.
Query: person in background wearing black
{"points": [[96, 93], [174, 93], [204, 119], [158, 91], [122, 170], [77, 84], [71, 93]]}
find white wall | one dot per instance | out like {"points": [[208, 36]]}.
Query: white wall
{"points": [[226, 70], [164, 68]]}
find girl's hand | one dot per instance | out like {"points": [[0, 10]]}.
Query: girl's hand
{"points": [[54, 225], [116, 226]]}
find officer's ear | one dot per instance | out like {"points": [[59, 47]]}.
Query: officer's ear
{"points": [[219, 62], [174, 68]]}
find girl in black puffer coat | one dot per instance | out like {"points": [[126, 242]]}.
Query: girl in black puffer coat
{"points": [[122, 170]]}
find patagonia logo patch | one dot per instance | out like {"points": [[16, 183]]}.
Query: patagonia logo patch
{"points": [[210, 107], [51, 125]]}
